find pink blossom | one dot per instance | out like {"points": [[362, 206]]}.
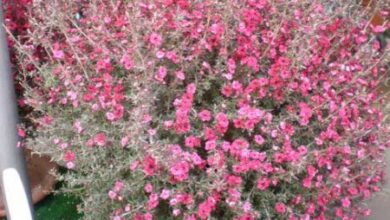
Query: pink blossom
{"points": [[302, 150], [263, 183], [307, 182], [210, 145], [134, 165], [227, 90], [180, 171], [378, 28], [124, 141], [148, 188], [58, 54], [149, 165], [69, 156], [153, 201], [77, 126], [100, 139], [251, 62], [345, 202], [259, 139], [110, 116], [21, 132], [176, 212], [64, 145], [196, 159], [70, 165], [222, 122], [118, 186], [280, 208], [171, 55], [192, 141], [127, 62], [205, 115], [165, 194], [155, 39], [231, 66], [191, 88], [161, 74], [112, 195], [305, 113], [233, 180], [180, 75], [160, 54]]}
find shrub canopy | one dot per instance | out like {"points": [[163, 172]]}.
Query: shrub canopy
{"points": [[179, 109]]}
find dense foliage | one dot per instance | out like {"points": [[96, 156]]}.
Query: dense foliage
{"points": [[206, 109]]}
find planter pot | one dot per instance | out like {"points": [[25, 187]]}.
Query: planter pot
{"points": [[39, 169]]}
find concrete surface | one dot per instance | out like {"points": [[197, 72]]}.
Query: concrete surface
{"points": [[380, 204]]}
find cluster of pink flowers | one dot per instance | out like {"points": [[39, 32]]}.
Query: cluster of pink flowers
{"points": [[252, 109]]}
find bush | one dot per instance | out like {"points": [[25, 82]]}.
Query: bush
{"points": [[177, 109]]}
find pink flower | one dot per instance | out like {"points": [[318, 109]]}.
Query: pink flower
{"points": [[180, 171], [58, 54], [263, 183], [112, 195], [233, 180], [77, 126], [124, 141], [161, 74], [118, 186], [149, 165], [259, 139], [148, 188], [148, 216], [110, 116], [247, 207], [21, 132], [69, 156], [70, 165], [134, 165], [378, 28], [345, 202], [127, 62], [302, 150], [64, 146], [192, 141], [231, 66], [191, 88], [222, 122], [176, 212], [100, 139], [152, 132], [153, 201], [180, 75], [171, 55], [160, 54], [165, 194], [251, 62], [204, 210], [196, 159], [209, 133], [155, 39], [305, 113], [210, 145], [205, 115], [307, 182], [227, 91], [280, 208]]}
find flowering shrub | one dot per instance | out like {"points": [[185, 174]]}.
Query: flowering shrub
{"points": [[178, 109]]}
